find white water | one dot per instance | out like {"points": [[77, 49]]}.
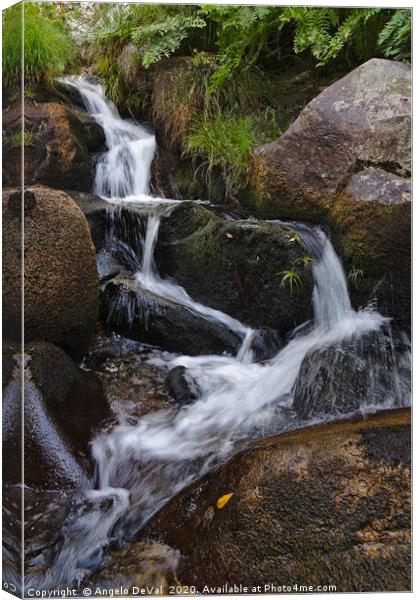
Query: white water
{"points": [[124, 170], [239, 400]]}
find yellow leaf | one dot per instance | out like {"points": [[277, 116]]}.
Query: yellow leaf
{"points": [[223, 500]]}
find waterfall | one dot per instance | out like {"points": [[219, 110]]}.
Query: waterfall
{"points": [[152, 460], [123, 171]]}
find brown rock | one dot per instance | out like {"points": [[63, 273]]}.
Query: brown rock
{"points": [[57, 144], [326, 505], [61, 282]]}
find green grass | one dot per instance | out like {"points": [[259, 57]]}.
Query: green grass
{"points": [[225, 142], [292, 279], [47, 47], [17, 139]]}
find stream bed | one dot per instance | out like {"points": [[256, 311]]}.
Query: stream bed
{"points": [[154, 447]]}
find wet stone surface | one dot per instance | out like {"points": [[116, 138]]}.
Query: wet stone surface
{"points": [[132, 385]]}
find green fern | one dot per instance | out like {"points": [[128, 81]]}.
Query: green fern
{"points": [[395, 38], [159, 40]]}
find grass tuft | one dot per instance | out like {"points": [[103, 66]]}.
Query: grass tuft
{"points": [[225, 142], [47, 47]]}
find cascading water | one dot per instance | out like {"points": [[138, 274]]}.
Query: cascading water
{"points": [[152, 460], [124, 170]]}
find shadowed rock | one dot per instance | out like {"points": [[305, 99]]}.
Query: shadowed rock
{"points": [[64, 405], [141, 315]]}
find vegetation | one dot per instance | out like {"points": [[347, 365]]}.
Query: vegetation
{"points": [[355, 275], [219, 95], [226, 142], [48, 49], [18, 139], [292, 279]]}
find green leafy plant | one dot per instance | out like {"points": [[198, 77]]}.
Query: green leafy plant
{"points": [[48, 49], [292, 279], [18, 139], [355, 275], [395, 38], [158, 40], [326, 32], [306, 261], [291, 236]]}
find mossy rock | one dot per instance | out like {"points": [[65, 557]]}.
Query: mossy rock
{"points": [[236, 266], [325, 505]]}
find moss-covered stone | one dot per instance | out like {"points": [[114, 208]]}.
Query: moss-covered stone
{"points": [[326, 505], [236, 266]]}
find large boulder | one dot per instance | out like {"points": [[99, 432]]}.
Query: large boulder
{"points": [[139, 314], [237, 266], [363, 119], [324, 506], [60, 277], [58, 142], [345, 163], [64, 405]]}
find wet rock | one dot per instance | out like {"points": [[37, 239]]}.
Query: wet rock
{"points": [[133, 385], [180, 386], [236, 266], [108, 266], [44, 514], [109, 223], [96, 210], [139, 314], [69, 93], [361, 372], [58, 142], [325, 505], [266, 344], [64, 405], [345, 164], [61, 283], [146, 565]]}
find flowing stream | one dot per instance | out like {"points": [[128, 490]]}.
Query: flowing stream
{"points": [[141, 466]]}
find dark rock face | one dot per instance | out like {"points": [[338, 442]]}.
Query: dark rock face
{"points": [[58, 143], [141, 315], [61, 283], [180, 387], [63, 407], [357, 373], [236, 266], [345, 164], [326, 505]]}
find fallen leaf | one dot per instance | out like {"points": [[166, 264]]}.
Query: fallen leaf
{"points": [[223, 500]]}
